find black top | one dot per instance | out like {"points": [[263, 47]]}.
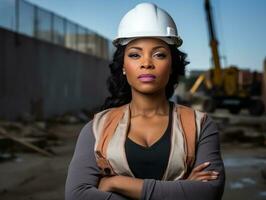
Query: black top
{"points": [[150, 162]]}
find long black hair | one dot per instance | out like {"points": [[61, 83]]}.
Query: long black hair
{"points": [[117, 83]]}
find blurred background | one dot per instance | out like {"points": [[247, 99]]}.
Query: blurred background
{"points": [[54, 57]]}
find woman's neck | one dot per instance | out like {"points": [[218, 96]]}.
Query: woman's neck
{"points": [[149, 105]]}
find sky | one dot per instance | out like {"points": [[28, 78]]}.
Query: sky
{"points": [[240, 26]]}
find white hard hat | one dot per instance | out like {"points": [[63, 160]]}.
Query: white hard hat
{"points": [[147, 20]]}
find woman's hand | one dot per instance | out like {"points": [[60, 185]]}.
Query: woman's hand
{"points": [[199, 175], [106, 183]]}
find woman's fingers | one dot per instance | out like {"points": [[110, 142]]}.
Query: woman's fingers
{"points": [[207, 178], [201, 167], [208, 175], [199, 175]]}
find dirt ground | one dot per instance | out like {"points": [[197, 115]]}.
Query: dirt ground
{"points": [[31, 176], [244, 164]]}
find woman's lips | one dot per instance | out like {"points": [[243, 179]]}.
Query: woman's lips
{"points": [[146, 78]]}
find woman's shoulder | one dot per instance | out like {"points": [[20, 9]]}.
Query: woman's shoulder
{"points": [[203, 120], [189, 110], [109, 113], [105, 112], [107, 116]]}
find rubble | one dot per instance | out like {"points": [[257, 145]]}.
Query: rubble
{"points": [[24, 142], [36, 136], [242, 129], [26, 118], [242, 134]]}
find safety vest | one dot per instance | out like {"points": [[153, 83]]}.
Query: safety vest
{"points": [[110, 128]]}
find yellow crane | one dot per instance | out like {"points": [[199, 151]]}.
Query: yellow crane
{"points": [[222, 85]]}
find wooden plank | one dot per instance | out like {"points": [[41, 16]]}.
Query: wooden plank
{"points": [[24, 143]]}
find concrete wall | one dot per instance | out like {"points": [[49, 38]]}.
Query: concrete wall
{"points": [[44, 79]]}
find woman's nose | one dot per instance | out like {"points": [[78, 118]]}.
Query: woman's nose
{"points": [[147, 63]]}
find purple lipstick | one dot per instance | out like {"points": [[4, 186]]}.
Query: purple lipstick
{"points": [[146, 78]]}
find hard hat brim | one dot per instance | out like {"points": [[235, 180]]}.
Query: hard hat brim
{"points": [[169, 40]]}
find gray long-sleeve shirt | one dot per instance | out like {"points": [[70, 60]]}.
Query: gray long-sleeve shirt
{"points": [[84, 174]]}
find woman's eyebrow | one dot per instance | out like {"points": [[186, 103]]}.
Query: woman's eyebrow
{"points": [[139, 48], [135, 48], [158, 47]]}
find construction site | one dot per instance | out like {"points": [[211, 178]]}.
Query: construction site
{"points": [[45, 102]]}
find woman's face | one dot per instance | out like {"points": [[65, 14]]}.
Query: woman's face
{"points": [[147, 64]]}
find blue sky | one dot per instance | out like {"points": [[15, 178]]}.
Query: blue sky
{"points": [[240, 26]]}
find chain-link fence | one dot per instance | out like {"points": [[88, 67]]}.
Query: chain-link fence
{"points": [[28, 19]]}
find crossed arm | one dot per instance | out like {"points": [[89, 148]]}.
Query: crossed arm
{"points": [[84, 181]]}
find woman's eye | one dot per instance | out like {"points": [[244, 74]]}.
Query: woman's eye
{"points": [[133, 55], [160, 55]]}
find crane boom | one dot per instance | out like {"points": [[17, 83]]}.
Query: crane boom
{"points": [[217, 76]]}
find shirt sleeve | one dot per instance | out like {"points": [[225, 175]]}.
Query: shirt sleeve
{"points": [[83, 173], [208, 150]]}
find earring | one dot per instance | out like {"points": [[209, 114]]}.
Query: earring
{"points": [[124, 72]]}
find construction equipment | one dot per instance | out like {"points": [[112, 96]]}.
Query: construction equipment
{"points": [[224, 86]]}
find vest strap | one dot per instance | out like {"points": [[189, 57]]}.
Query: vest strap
{"points": [[188, 122], [112, 120]]}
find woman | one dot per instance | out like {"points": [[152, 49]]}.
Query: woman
{"points": [[139, 148]]}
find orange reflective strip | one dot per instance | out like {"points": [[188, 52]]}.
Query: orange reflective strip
{"points": [[188, 122], [113, 118]]}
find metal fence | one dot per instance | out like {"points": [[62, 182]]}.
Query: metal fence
{"points": [[28, 19]]}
